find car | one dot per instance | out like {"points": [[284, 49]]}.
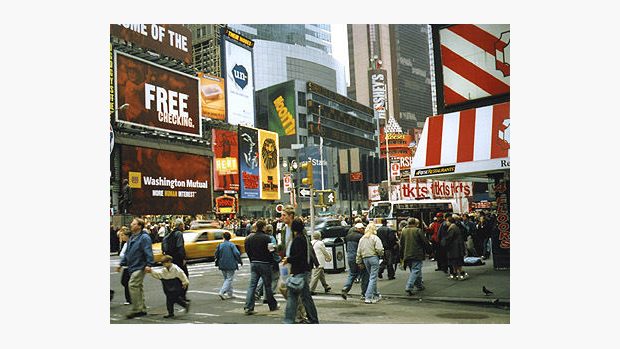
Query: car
{"points": [[329, 228], [204, 223], [201, 243]]}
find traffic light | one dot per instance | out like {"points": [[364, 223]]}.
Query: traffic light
{"points": [[307, 166]]}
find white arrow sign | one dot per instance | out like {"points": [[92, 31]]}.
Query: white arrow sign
{"points": [[304, 192]]}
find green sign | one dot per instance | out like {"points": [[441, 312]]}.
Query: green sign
{"points": [[282, 114]]}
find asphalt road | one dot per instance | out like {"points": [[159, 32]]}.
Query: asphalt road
{"points": [[208, 308]]}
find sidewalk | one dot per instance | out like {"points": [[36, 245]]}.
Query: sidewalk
{"points": [[439, 287]]}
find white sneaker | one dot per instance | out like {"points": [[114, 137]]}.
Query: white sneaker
{"points": [[378, 297]]}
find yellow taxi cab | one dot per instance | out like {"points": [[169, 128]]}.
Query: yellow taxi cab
{"points": [[201, 243]]}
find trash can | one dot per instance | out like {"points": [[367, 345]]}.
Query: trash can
{"points": [[335, 247]]}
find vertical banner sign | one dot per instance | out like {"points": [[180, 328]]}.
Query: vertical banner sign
{"points": [[249, 178], [213, 104], [239, 73], [501, 248], [269, 165], [159, 98], [111, 80], [287, 183], [378, 92], [343, 160], [282, 109], [226, 150]]}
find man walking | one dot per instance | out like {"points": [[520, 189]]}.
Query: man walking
{"points": [[261, 260], [318, 273], [413, 242], [173, 245], [139, 259], [352, 240], [388, 239]]}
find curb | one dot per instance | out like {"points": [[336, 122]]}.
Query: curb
{"points": [[495, 301]]}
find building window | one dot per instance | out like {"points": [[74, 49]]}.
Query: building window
{"points": [[301, 99], [302, 121]]}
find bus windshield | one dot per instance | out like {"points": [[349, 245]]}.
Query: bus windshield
{"points": [[380, 211]]}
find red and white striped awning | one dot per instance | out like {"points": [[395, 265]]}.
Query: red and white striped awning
{"points": [[465, 142], [476, 61]]}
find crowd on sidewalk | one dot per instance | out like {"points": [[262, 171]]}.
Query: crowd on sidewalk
{"points": [[284, 259]]}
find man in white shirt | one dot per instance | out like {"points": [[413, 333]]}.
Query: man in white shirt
{"points": [[318, 274]]}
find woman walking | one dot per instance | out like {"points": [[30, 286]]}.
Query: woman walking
{"points": [[301, 261], [369, 250]]}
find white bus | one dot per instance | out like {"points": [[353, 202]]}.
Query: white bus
{"points": [[396, 211]]}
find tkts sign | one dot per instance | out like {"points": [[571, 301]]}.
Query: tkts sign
{"points": [[421, 189]]}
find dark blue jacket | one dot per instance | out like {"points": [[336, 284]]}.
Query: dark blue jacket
{"points": [[139, 252], [227, 256]]}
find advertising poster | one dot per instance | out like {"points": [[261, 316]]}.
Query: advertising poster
{"points": [[282, 109], [212, 101], [172, 40], [269, 165], [165, 182], [378, 92], [226, 151], [239, 84], [158, 98], [249, 179]]}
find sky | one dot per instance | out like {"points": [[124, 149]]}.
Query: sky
{"points": [[340, 46]]}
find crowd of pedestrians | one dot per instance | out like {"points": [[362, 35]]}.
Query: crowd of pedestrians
{"points": [[283, 258]]}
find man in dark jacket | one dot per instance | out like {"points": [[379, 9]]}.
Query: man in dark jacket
{"points": [[413, 242], [126, 197], [261, 260], [388, 239], [173, 245], [455, 248], [352, 240]]}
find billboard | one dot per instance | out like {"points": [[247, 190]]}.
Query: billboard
{"points": [[269, 165], [249, 179], [165, 182], [226, 152], [473, 65], [158, 98], [239, 73], [172, 40], [378, 92], [282, 114], [212, 101]]}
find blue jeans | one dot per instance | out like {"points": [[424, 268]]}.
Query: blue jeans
{"points": [[415, 277], [259, 270], [372, 265], [306, 300], [227, 285], [275, 275], [354, 272]]}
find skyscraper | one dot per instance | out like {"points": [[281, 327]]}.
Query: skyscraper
{"points": [[403, 51]]}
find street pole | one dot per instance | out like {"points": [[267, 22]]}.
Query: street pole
{"points": [[321, 148], [389, 166], [311, 208], [350, 184]]}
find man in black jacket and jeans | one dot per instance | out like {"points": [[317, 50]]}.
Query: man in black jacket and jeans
{"points": [[388, 239], [261, 260], [173, 245]]}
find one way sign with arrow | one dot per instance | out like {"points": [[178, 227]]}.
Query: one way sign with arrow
{"points": [[305, 192]]}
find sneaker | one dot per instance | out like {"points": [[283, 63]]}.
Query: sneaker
{"points": [[168, 316], [127, 303], [249, 312], [343, 294], [186, 307], [409, 292], [368, 301], [222, 296], [362, 297], [328, 289], [420, 288], [313, 293], [452, 277], [277, 307]]}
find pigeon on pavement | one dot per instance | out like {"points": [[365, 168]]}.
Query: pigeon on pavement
{"points": [[486, 291]]}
